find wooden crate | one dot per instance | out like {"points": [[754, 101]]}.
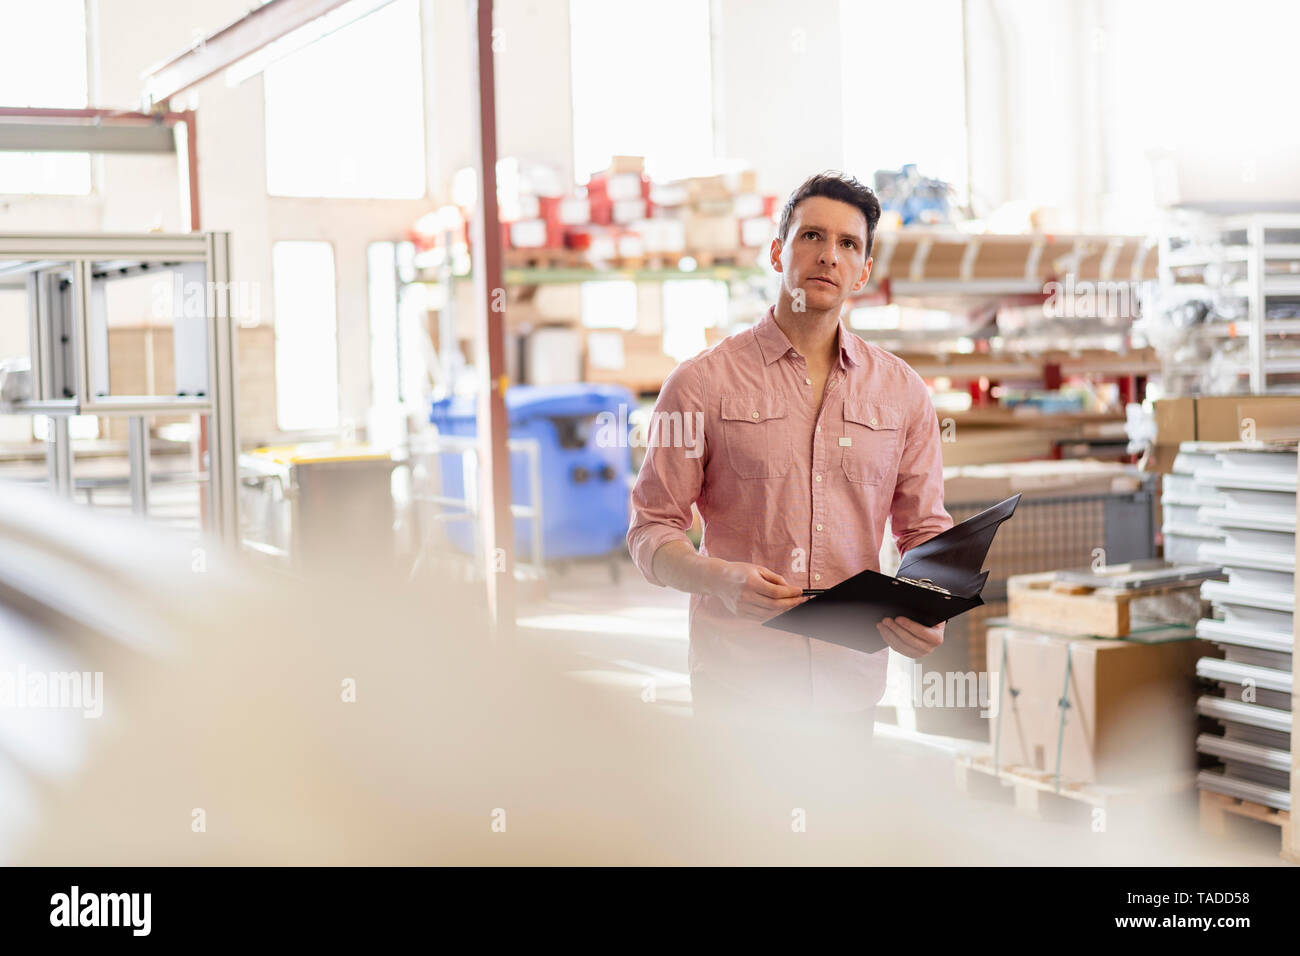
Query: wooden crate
{"points": [[1039, 601]]}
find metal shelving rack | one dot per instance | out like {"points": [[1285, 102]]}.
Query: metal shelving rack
{"points": [[1255, 625], [1252, 260]]}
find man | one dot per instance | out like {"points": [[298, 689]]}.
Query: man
{"points": [[812, 437]]}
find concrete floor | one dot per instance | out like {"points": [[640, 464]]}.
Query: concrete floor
{"points": [[631, 638]]}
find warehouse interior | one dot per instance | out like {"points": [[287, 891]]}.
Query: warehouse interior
{"points": [[331, 336]]}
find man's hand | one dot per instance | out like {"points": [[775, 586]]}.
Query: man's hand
{"points": [[753, 591], [909, 638]]}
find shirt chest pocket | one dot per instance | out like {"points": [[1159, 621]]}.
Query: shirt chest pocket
{"points": [[756, 431], [869, 444]]}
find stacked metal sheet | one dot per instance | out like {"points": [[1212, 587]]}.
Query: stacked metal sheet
{"points": [[1181, 498], [1252, 511]]}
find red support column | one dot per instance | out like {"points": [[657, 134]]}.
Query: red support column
{"points": [[489, 342]]}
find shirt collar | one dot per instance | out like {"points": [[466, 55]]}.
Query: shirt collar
{"points": [[772, 342]]}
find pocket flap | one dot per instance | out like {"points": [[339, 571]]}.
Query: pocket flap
{"points": [[875, 415], [752, 407]]}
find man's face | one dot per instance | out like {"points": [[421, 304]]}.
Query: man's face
{"points": [[824, 253]]}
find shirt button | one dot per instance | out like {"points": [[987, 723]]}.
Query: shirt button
{"points": [[807, 381], [756, 415], [819, 527], [817, 577], [819, 477], [819, 428], [873, 421]]}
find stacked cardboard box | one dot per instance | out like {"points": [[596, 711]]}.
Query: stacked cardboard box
{"points": [[1098, 710], [621, 213]]}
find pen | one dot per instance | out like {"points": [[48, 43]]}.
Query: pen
{"points": [[810, 592]]}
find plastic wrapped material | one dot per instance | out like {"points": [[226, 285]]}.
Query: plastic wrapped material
{"points": [[15, 380]]}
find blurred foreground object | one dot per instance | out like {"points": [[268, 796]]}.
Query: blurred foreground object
{"points": [[247, 717]]}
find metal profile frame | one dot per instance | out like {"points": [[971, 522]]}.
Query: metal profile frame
{"points": [[218, 406]]}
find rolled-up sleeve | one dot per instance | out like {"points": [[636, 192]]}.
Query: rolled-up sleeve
{"points": [[673, 471], [917, 512]]}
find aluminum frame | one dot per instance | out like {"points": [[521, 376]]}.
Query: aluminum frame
{"points": [[65, 354]]}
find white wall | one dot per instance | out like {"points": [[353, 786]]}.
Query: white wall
{"points": [[780, 89], [143, 192]]}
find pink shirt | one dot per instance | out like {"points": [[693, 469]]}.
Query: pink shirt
{"points": [[801, 490]]}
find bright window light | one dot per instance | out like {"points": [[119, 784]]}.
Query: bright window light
{"points": [[345, 115], [44, 64], [1148, 46], [306, 336], [689, 307], [642, 85], [609, 305], [918, 47]]}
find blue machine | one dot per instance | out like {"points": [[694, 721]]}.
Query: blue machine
{"points": [[916, 198], [584, 465]]}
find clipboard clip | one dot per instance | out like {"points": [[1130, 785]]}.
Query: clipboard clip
{"points": [[924, 583]]}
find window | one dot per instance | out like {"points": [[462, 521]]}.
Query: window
{"points": [[917, 47], [43, 64], [609, 305], [690, 307], [345, 115], [306, 336], [642, 85]]}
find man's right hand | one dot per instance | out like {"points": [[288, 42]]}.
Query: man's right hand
{"points": [[753, 591]]}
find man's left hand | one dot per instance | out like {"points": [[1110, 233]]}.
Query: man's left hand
{"points": [[909, 638]]}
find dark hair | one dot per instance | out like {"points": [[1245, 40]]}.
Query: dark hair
{"points": [[835, 185]]}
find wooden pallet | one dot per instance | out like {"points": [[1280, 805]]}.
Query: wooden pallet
{"points": [[741, 257], [1040, 601], [1216, 807], [1036, 793], [546, 259]]}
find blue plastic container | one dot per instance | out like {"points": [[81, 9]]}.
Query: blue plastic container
{"points": [[584, 464]]}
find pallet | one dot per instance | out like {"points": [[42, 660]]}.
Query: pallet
{"points": [[741, 257], [546, 259], [1216, 808], [1036, 793], [1040, 601]]}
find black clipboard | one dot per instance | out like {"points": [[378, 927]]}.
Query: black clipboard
{"points": [[936, 581]]}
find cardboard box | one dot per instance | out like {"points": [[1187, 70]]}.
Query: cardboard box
{"points": [[712, 233], [634, 359], [757, 232], [747, 205], [1220, 418], [528, 234], [706, 188], [1130, 713], [627, 164], [669, 194], [624, 211], [573, 211], [1175, 424], [743, 181], [662, 235]]}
